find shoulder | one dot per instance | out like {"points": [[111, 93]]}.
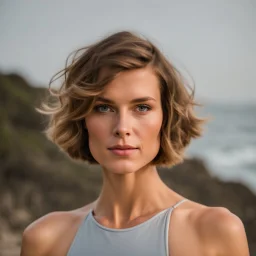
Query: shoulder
{"points": [[45, 235], [221, 232], [41, 235]]}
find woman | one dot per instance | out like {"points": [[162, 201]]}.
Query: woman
{"points": [[123, 106]]}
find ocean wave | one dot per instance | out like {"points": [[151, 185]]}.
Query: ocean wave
{"points": [[239, 156]]}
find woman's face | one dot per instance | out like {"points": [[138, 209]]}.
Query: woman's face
{"points": [[128, 112]]}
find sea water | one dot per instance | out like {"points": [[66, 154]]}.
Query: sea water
{"points": [[228, 145]]}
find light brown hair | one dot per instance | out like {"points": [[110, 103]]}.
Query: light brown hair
{"points": [[81, 84]]}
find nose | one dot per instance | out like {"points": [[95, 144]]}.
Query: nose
{"points": [[122, 127]]}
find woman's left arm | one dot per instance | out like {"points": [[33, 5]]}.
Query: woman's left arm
{"points": [[224, 233]]}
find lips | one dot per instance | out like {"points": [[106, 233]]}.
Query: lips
{"points": [[122, 147], [123, 150]]}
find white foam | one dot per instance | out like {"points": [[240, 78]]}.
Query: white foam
{"points": [[239, 156]]}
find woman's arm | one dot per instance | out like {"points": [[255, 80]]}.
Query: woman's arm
{"points": [[35, 241], [224, 233], [41, 235]]}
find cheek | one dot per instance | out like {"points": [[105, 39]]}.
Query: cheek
{"points": [[97, 132], [96, 129], [152, 127]]}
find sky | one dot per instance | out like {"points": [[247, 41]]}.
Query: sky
{"points": [[213, 43]]}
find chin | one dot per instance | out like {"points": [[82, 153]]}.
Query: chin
{"points": [[123, 166]]}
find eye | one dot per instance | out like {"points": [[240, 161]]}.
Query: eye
{"points": [[144, 108], [103, 108]]}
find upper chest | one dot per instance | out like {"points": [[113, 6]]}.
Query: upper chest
{"points": [[181, 238]]}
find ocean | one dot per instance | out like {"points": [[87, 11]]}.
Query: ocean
{"points": [[228, 145]]}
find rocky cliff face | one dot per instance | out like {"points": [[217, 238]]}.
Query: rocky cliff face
{"points": [[36, 178]]}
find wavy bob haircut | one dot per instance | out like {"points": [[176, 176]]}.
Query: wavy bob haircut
{"points": [[82, 84]]}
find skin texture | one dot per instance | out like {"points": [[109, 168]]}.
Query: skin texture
{"points": [[132, 192]]}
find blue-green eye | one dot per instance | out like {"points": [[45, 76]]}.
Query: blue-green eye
{"points": [[102, 108], [143, 108]]}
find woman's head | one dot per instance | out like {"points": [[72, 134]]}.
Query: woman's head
{"points": [[122, 67], [127, 114]]}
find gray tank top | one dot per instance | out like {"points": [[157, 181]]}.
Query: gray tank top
{"points": [[145, 239]]}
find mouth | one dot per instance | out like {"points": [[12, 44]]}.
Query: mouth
{"points": [[123, 151], [124, 147]]}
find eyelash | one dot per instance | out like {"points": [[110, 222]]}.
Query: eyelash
{"points": [[96, 108]]}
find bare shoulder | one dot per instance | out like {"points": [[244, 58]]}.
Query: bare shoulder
{"points": [[206, 231], [45, 235], [220, 231], [182, 230]]}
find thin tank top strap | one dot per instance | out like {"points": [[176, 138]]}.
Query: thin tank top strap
{"points": [[167, 223], [180, 202]]}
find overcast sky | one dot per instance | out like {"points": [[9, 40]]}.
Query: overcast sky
{"points": [[214, 40]]}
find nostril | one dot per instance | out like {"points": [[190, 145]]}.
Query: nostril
{"points": [[122, 134]]}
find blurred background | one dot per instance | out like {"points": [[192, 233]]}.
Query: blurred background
{"points": [[212, 43]]}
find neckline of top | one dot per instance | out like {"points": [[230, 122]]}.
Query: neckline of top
{"points": [[136, 226]]}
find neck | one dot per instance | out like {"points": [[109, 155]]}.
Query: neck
{"points": [[125, 197]]}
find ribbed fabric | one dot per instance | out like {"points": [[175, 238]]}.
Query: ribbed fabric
{"points": [[145, 239]]}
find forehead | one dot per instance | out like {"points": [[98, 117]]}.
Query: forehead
{"points": [[133, 83]]}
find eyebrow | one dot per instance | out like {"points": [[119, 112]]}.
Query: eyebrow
{"points": [[106, 100]]}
